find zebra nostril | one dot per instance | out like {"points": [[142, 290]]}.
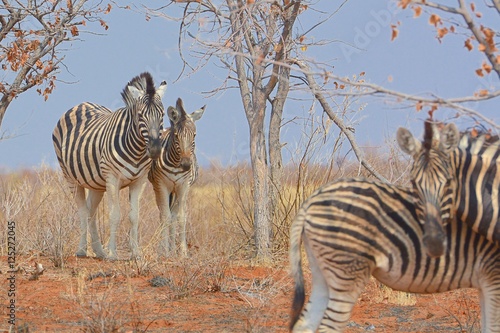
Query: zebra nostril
{"points": [[185, 163], [154, 148]]}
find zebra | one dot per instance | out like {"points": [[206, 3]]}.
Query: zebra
{"points": [[356, 228], [460, 174], [173, 174], [104, 151]]}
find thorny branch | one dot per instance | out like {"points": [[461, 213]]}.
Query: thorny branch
{"points": [[316, 91]]}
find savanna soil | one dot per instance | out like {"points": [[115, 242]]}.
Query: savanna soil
{"points": [[90, 295]]}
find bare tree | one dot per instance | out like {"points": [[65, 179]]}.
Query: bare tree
{"points": [[31, 34], [462, 20], [258, 45]]}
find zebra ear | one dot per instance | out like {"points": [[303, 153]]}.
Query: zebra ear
{"points": [[407, 142], [173, 115], [136, 93], [161, 89], [197, 114], [449, 138]]}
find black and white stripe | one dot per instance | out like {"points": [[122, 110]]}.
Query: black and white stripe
{"points": [[353, 229], [173, 174], [458, 174], [105, 151]]}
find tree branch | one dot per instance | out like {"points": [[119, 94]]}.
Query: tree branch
{"points": [[340, 124]]}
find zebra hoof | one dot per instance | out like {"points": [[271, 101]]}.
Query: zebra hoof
{"points": [[81, 254]]}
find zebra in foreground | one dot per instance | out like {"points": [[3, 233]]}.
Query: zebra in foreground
{"points": [[356, 228], [105, 151], [463, 176], [173, 174]]}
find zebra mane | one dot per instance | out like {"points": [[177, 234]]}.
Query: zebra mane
{"points": [[428, 134], [143, 82], [478, 140]]}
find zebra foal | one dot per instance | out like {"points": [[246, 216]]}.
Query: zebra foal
{"points": [[355, 228], [173, 174], [460, 177], [104, 151]]}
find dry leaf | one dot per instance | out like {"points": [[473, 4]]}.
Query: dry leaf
{"points": [[468, 44], [417, 11], [435, 20], [395, 32]]}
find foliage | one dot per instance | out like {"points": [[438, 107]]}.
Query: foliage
{"points": [[31, 35]]}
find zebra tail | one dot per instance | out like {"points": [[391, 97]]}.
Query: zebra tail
{"points": [[295, 257]]}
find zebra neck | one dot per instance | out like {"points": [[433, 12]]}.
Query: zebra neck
{"points": [[129, 134]]}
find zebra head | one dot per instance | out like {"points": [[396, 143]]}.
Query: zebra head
{"points": [[182, 135], [433, 180], [145, 100]]}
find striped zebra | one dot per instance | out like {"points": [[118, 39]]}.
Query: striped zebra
{"points": [[355, 228], [173, 174], [462, 176], [105, 151]]}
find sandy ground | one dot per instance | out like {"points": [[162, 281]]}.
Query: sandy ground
{"points": [[90, 295]]}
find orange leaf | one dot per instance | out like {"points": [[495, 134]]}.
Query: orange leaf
{"points": [[419, 106], [474, 133], [74, 31], [417, 11], [108, 9], [103, 24], [486, 67], [404, 3], [434, 20], [483, 92], [479, 72], [481, 47], [468, 44], [442, 32], [395, 32]]}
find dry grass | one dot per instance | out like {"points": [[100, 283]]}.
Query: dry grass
{"points": [[220, 223]]}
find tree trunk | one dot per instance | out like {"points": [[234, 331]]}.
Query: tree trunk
{"points": [[258, 156]]}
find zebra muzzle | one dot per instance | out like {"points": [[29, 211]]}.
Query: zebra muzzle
{"points": [[154, 148], [434, 238], [185, 163]]}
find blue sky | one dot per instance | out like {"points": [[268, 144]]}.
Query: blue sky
{"points": [[100, 67]]}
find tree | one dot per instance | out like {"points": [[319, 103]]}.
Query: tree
{"points": [[31, 36], [466, 21], [259, 45], [256, 43]]}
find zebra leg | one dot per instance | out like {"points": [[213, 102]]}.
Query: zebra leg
{"points": [[93, 201], [113, 190], [347, 278], [180, 218], [83, 213], [313, 312], [135, 192], [162, 196], [490, 301]]}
